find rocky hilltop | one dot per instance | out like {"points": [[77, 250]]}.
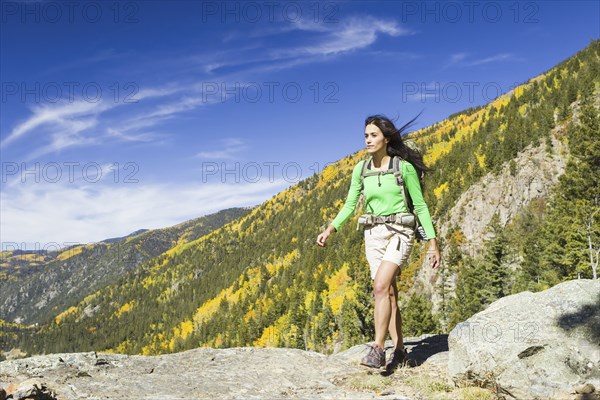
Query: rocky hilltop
{"points": [[553, 355], [234, 373], [241, 373]]}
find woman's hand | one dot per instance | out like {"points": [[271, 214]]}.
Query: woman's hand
{"points": [[322, 238], [433, 253]]}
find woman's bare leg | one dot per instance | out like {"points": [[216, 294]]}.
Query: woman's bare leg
{"points": [[395, 327], [383, 309]]}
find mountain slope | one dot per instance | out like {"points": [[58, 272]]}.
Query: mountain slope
{"points": [[261, 280], [42, 291]]}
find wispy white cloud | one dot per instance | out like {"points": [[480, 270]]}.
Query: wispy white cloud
{"points": [[69, 125], [135, 128], [67, 133], [90, 213], [353, 34], [122, 135], [60, 114], [400, 55], [162, 91], [497, 57], [230, 149], [324, 42], [65, 124], [460, 59]]}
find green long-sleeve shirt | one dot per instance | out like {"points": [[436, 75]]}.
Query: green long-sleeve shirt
{"points": [[387, 198]]}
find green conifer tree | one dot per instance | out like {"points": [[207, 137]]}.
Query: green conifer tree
{"points": [[417, 317]]}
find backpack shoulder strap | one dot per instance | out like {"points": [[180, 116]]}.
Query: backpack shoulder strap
{"points": [[364, 166], [398, 161], [397, 168], [363, 172]]}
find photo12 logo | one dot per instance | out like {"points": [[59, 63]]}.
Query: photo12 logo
{"points": [[492, 332], [53, 12], [271, 92], [452, 92], [252, 172], [270, 11], [469, 11], [69, 171], [48, 251], [53, 92]]}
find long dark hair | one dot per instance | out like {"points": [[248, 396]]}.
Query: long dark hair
{"points": [[396, 146]]}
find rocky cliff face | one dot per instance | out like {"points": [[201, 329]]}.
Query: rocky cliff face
{"points": [[534, 173], [531, 175]]}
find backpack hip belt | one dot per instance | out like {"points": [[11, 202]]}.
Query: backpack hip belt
{"points": [[405, 219]]}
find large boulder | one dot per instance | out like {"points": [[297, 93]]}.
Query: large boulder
{"points": [[532, 345]]}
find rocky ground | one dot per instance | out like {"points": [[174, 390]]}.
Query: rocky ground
{"points": [[425, 378], [236, 373]]}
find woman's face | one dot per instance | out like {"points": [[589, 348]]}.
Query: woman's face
{"points": [[374, 139]]}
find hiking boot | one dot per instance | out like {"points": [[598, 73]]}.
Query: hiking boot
{"points": [[399, 358], [375, 358]]}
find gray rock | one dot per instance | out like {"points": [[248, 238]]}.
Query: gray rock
{"points": [[585, 389], [532, 345], [30, 389], [202, 373]]}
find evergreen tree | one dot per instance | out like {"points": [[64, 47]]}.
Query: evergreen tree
{"points": [[350, 325], [570, 237], [447, 271], [581, 188], [417, 317], [326, 324], [483, 280], [492, 264], [468, 288]]}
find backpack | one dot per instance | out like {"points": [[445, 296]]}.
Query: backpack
{"points": [[397, 171]]}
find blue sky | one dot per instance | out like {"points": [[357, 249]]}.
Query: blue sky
{"points": [[117, 116]]}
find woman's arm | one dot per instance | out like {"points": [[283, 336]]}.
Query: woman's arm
{"points": [[347, 209], [433, 253], [322, 238], [413, 186], [351, 200]]}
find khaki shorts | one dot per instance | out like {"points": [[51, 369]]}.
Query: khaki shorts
{"points": [[390, 242]]}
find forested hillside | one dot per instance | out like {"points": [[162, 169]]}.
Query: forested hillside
{"points": [[262, 281], [10, 334], [44, 284]]}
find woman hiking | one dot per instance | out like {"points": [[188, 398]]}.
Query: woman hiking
{"points": [[388, 232]]}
